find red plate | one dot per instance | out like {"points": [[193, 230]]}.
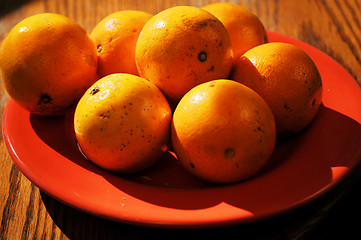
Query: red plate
{"points": [[300, 170]]}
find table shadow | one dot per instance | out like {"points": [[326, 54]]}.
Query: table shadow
{"points": [[8, 6]]}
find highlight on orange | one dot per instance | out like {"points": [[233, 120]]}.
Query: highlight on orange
{"points": [[182, 47], [47, 62], [287, 78], [115, 38], [223, 132], [244, 27], [122, 123]]}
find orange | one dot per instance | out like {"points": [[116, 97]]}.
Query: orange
{"points": [[287, 78], [47, 63], [115, 37], [182, 47], [122, 123], [244, 27], [223, 131]]}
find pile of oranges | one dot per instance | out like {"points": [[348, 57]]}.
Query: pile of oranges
{"points": [[204, 82]]}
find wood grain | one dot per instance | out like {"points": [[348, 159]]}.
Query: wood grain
{"points": [[333, 26]]}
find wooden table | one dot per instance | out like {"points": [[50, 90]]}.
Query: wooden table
{"points": [[333, 26]]}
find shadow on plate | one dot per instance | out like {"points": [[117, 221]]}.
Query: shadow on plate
{"points": [[299, 169]]}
